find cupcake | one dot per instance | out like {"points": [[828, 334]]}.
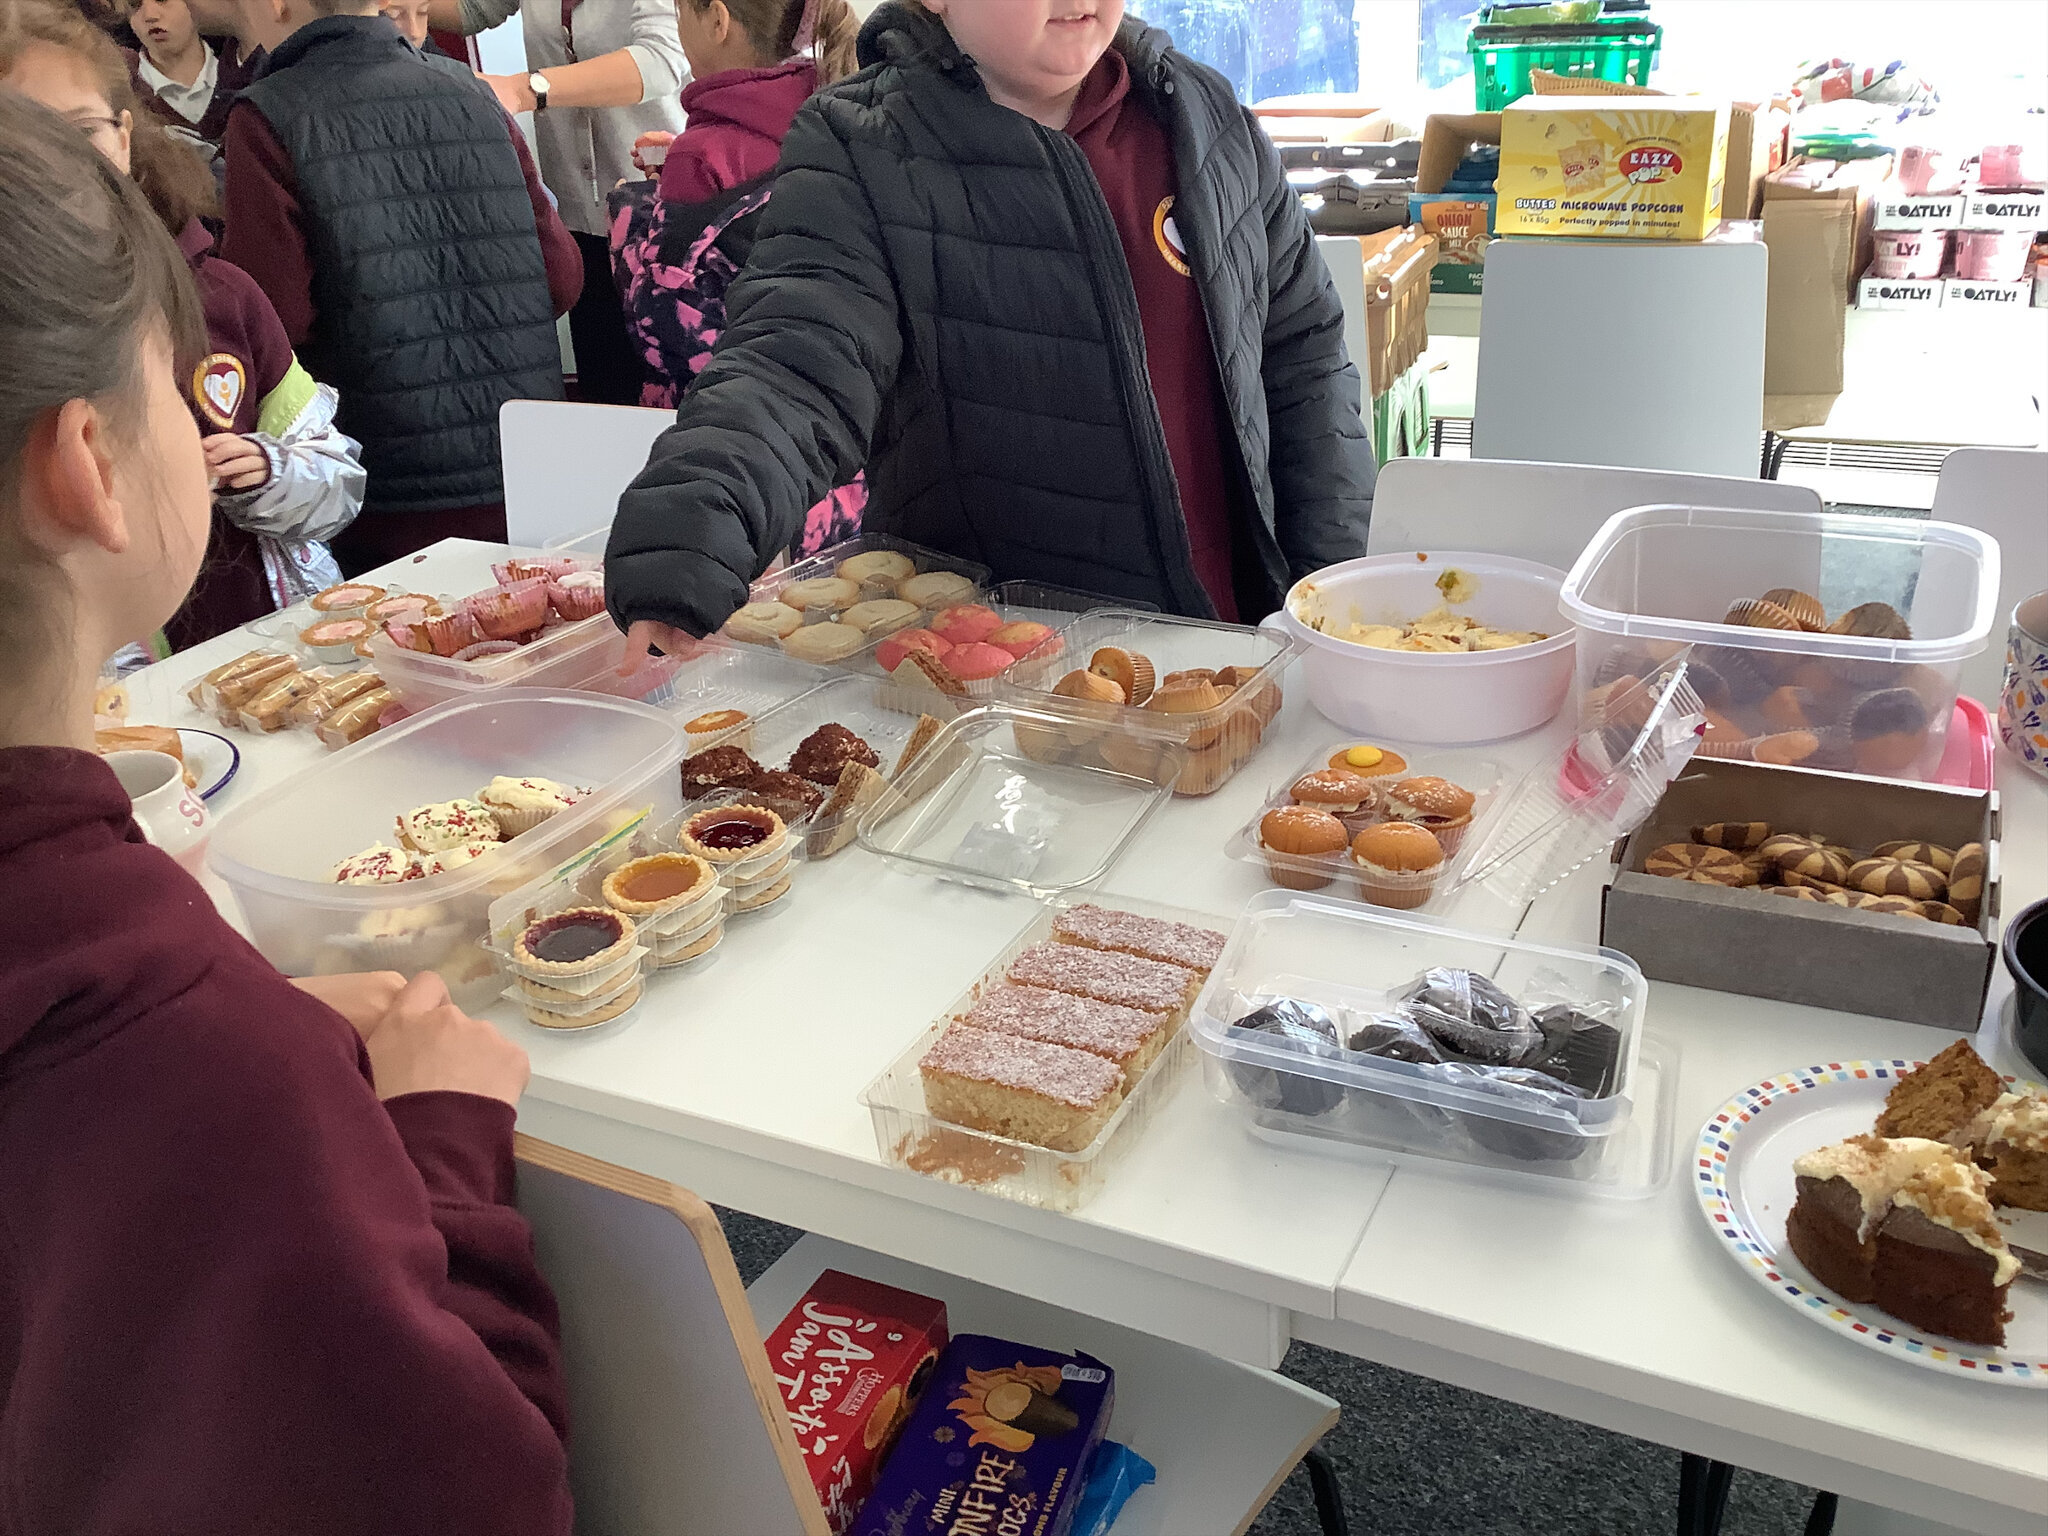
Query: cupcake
{"points": [[733, 725], [376, 865], [1301, 844], [890, 652], [549, 568], [448, 633], [520, 805], [1398, 864], [447, 824], [574, 598], [506, 613], [1369, 761], [445, 859], [965, 623], [978, 663], [1027, 640], [1351, 797], [1436, 805]]}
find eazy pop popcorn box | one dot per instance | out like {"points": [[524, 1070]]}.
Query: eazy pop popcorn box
{"points": [[1631, 167], [852, 1360]]}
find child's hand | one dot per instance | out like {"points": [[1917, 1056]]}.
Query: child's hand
{"points": [[235, 463], [667, 640], [425, 1044], [363, 997], [654, 138]]}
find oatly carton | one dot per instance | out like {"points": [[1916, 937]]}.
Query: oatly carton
{"points": [[1000, 1445], [852, 1359]]}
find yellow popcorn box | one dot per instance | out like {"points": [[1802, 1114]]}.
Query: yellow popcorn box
{"points": [[1630, 168]]}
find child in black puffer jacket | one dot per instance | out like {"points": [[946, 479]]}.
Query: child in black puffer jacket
{"points": [[1043, 278]]}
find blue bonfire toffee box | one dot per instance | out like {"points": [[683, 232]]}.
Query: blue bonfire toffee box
{"points": [[999, 1445]]}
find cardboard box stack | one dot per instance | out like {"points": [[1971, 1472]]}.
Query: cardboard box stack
{"points": [[1961, 247], [1817, 218]]}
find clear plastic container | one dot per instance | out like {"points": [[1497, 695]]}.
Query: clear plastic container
{"points": [[1336, 872], [1014, 602], [276, 850], [844, 699], [973, 807], [1353, 960], [1129, 739], [583, 657], [1660, 578], [748, 678], [908, 1135], [826, 562]]}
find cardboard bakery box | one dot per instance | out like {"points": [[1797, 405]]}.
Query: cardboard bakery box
{"points": [[853, 1358], [1762, 945], [1628, 168]]}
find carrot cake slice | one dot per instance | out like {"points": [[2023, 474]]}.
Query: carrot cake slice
{"points": [[1108, 976], [1126, 1036], [1150, 938], [1027, 1090]]}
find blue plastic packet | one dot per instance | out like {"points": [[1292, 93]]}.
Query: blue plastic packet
{"points": [[1117, 1473]]}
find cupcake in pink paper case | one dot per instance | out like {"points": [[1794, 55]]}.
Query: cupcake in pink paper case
{"points": [[520, 805], [509, 573], [577, 595], [507, 613], [448, 633]]}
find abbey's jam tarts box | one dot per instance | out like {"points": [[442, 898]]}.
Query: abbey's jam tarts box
{"points": [[1632, 168], [852, 1359]]}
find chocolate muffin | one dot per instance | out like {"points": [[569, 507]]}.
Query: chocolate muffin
{"points": [[725, 767], [829, 748]]}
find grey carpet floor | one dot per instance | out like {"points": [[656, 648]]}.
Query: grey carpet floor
{"points": [[1418, 1458]]}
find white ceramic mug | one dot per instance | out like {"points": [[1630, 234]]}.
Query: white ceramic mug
{"points": [[2023, 700], [170, 815]]}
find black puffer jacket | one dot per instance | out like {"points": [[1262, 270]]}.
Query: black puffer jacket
{"points": [[938, 295], [429, 288]]}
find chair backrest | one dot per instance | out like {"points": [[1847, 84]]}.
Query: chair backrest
{"points": [[565, 464], [1542, 512], [2002, 492], [676, 1425], [1633, 353]]}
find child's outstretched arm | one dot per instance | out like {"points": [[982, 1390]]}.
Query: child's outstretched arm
{"points": [[786, 407], [1322, 460]]}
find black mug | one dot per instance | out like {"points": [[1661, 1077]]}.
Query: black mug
{"points": [[2026, 956]]}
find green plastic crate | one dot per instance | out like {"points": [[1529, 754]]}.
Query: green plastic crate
{"points": [[1621, 51]]}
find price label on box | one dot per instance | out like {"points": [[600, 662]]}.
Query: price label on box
{"points": [[1899, 293]]}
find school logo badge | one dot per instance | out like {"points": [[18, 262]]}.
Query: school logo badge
{"points": [[217, 385], [1166, 235]]}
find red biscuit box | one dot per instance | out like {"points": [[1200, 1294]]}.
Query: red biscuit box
{"points": [[852, 1359]]}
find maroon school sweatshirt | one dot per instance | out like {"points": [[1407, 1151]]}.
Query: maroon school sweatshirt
{"points": [[738, 119], [237, 1293], [1132, 157]]}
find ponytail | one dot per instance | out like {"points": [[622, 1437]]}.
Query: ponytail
{"points": [[781, 29], [837, 31]]}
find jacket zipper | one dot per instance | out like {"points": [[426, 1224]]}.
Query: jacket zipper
{"points": [[1120, 302]]}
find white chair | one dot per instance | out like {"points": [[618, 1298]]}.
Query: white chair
{"points": [[1222, 1435], [1542, 512], [2003, 492], [1634, 353], [565, 464], [679, 1428]]}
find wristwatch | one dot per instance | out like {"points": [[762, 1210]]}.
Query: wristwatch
{"points": [[538, 84]]}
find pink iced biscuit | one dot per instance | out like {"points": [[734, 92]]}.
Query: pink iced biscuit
{"points": [[890, 652], [970, 663], [966, 624]]}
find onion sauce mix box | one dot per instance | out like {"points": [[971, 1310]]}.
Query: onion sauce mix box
{"points": [[852, 1359]]}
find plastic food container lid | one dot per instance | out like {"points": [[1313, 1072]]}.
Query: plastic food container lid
{"points": [[982, 805]]}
